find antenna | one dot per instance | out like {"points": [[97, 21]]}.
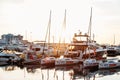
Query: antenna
{"points": [[26, 34], [114, 40]]}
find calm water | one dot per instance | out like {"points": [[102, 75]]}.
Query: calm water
{"points": [[36, 72]]}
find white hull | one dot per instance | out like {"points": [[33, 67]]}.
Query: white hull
{"points": [[89, 63], [109, 64], [48, 61], [6, 57], [112, 65], [66, 61]]}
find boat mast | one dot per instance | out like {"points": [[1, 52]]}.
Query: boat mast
{"points": [[64, 26], [90, 24], [62, 34], [48, 31], [49, 26], [89, 31]]}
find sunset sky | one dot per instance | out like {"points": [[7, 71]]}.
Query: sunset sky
{"points": [[30, 18]]}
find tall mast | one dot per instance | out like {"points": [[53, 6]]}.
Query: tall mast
{"points": [[64, 22], [89, 30], [90, 24], [64, 26], [62, 33], [49, 26], [48, 31]]}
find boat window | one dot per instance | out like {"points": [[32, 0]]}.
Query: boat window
{"points": [[77, 47], [93, 61], [45, 49], [104, 60], [51, 58], [67, 59], [6, 57], [71, 47], [37, 49], [111, 61]]}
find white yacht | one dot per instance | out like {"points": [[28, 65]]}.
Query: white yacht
{"points": [[82, 47], [7, 58]]}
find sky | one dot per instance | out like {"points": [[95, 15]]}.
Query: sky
{"points": [[30, 18]]}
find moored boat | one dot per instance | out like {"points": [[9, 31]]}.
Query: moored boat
{"points": [[31, 62], [84, 49], [31, 58], [112, 51], [83, 46], [48, 61], [109, 63], [90, 63], [8, 58], [66, 61]]}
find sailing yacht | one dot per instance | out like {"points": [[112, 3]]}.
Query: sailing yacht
{"points": [[48, 61], [38, 52], [92, 60]]}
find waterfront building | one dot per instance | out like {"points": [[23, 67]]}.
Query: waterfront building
{"points": [[12, 39], [2, 42]]}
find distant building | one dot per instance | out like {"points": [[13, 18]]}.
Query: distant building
{"points": [[2, 42], [12, 39]]}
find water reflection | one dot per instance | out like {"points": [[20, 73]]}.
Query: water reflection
{"points": [[8, 68], [88, 74], [31, 68], [37, 72], [109, 72]]}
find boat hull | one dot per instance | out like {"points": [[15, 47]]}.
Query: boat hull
{"points": [[65, 63], [31, 62]]}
